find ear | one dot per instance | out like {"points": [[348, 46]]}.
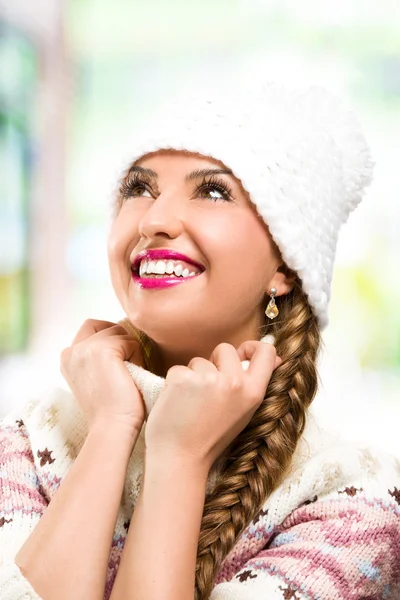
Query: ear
{"points": [[282, 283]]}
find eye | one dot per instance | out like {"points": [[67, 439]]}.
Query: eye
{"points": [[135, 187], [138, 190], [215, 189], [211, 187]]}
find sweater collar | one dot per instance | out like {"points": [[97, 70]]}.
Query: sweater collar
{"points": [[314, 437]]}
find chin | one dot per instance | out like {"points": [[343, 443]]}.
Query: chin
{"points": [[170, 334]]}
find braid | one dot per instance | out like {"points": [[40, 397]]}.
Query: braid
{"points": [[262, 452]]}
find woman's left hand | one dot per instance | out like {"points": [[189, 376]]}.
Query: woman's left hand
{"points": [[205, 405]]}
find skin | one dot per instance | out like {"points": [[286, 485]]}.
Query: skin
{"points": [[202, 330], [211, 397], [228, 238]]}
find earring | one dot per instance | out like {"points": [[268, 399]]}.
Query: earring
{"points": [[272, 310]]}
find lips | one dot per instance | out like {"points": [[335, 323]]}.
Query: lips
{"points": [[163, 254]]}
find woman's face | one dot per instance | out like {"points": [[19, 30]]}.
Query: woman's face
{"points": [[179, 205]]}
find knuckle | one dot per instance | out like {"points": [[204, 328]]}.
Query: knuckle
{"points": [[222, 347], [84, 330], [82, 353], [255, 397], [65, 351], [235, 384], [178, 374], [194, 360], [225, 346], [89, 322], [210, 379], [65, 355]]}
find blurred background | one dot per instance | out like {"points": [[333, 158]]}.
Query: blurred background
{"points": [[77, 77]]}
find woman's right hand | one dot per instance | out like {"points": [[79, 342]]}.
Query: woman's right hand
{"points": [[93, 366]]}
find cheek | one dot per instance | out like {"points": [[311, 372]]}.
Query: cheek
{"points": [[113, 246], [246, 243], [114, 253], [119, 240]]}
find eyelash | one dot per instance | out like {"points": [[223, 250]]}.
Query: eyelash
{"points": [[209, 182]]}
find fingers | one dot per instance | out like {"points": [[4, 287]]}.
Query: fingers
{"points": [[89, 327], [126, 344], [200, 365], [129, 327], [263, 360], [226, 359], [246, 349], [134, 352], [93, 326]]}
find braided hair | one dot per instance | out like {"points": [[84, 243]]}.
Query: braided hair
{"points": [[261, 454]]}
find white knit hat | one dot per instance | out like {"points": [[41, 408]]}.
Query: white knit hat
{"points": [[299, 153]]}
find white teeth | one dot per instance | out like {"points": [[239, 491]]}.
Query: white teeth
{"points": [[170, 267], [160, 267], [143, 267], [178, 270]]}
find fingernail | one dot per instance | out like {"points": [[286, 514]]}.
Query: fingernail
{"points": [[268, 339]]}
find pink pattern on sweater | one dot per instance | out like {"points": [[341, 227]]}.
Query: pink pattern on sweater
{"points": [[342, 546], [18, 479], [347, 548]]}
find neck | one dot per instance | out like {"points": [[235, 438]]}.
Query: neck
{"points": [[165, 355]]}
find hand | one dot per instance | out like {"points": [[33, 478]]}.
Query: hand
{"points": [[205, 405], [93, 366]]}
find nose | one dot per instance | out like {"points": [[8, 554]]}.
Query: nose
{"points": [[162, 217]]}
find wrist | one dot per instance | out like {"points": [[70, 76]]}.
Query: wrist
{"points": [[115, 429], [172, 463]]}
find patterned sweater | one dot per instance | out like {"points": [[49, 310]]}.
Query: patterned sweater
{"points": [[330, 531]]}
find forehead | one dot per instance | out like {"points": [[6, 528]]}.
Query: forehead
{"points": [[177, 157]]}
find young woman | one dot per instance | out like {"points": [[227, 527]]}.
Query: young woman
{"points": [[186, 462]]}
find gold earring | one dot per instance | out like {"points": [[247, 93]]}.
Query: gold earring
{"points": [[272, 310]]}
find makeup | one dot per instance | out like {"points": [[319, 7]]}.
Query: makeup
{"points": [[170, 272], [160, 282]]}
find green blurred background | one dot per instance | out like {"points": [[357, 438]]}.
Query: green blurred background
{"points": [[77, 77]]}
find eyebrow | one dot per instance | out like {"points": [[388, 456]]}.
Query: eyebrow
{"points": [[189, 177]]}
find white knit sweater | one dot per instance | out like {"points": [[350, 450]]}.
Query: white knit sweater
{"points": [[331, 530]]}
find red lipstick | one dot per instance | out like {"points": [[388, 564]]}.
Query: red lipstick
{"points": [[163, 254], [162, 282]]}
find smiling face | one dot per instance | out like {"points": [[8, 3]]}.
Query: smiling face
{"points": [[194, 206]]}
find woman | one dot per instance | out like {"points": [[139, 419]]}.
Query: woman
{"points": [[186, 462]]}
